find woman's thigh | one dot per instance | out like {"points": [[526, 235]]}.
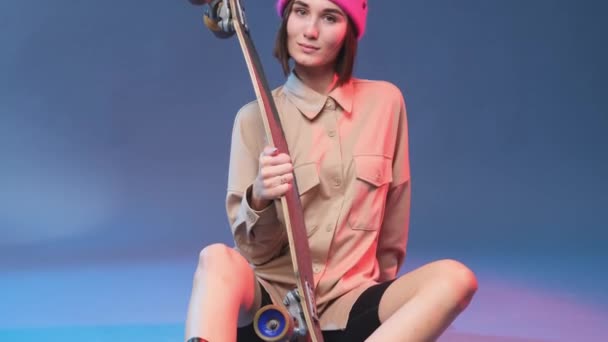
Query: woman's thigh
{"points": [[443, 276]]}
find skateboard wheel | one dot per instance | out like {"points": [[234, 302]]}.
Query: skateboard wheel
{"points": [[214, 27], [273, 323], [212, 20], [211, 24]]}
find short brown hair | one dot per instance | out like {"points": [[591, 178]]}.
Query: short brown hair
{"points": [[345, 60]]}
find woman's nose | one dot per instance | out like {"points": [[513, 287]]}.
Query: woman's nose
{"points": [[311, 31]]}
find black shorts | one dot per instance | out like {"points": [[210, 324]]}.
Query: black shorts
{"points": [[362, 321]]}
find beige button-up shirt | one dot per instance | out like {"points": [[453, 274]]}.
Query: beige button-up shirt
{"points": [[350, 155]]}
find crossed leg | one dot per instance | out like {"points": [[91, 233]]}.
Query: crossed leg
{"points": [[421, 304], [418, 306]]}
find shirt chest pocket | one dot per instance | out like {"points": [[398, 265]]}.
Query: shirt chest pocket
{"points": [[373, 174]]}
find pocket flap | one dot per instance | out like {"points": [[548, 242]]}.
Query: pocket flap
{"points": [[374, 169], [307, 177]]}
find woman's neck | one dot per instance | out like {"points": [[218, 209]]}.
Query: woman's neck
{"points": [[321, 80]]}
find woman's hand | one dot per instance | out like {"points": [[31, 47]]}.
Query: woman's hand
{"points": [[274, 178]]}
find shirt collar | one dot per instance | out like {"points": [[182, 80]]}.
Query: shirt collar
{"points": [[311, 103]]}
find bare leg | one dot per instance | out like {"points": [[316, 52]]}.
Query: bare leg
{"points": [[420, 305], [225, 294]]}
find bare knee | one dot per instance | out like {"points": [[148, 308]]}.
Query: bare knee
{"points": [[222, 262], [460, 281], [224, 277]]}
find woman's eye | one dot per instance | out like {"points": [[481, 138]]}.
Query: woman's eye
{"points": [[299, 11], [330, 18]]}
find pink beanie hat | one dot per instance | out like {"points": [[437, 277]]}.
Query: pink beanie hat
{"points": [[356, 10]]}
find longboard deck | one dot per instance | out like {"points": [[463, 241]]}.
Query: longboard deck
{"points": [[292, 208]]}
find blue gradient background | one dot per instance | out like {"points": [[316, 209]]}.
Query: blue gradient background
{"points": [[115, 122]]}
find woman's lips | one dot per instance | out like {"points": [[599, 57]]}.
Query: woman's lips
{"points": [[308, 48]]}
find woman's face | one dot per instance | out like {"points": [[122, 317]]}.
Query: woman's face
{"points": [[315, 32]]}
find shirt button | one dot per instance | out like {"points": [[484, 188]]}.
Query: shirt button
{"points": [[331, 133], [329, 228], [316, 268], [337, 182]]}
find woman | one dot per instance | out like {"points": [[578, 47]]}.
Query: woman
{"points": [[348, 150]]}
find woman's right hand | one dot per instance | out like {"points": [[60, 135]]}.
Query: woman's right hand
{"points": [[274, 178]]}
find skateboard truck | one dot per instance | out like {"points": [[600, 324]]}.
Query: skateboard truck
{"points": [[218, 18], [286, 323], [293, 305]]}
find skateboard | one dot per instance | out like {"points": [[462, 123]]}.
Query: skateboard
{"points": [[296, 318]]}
